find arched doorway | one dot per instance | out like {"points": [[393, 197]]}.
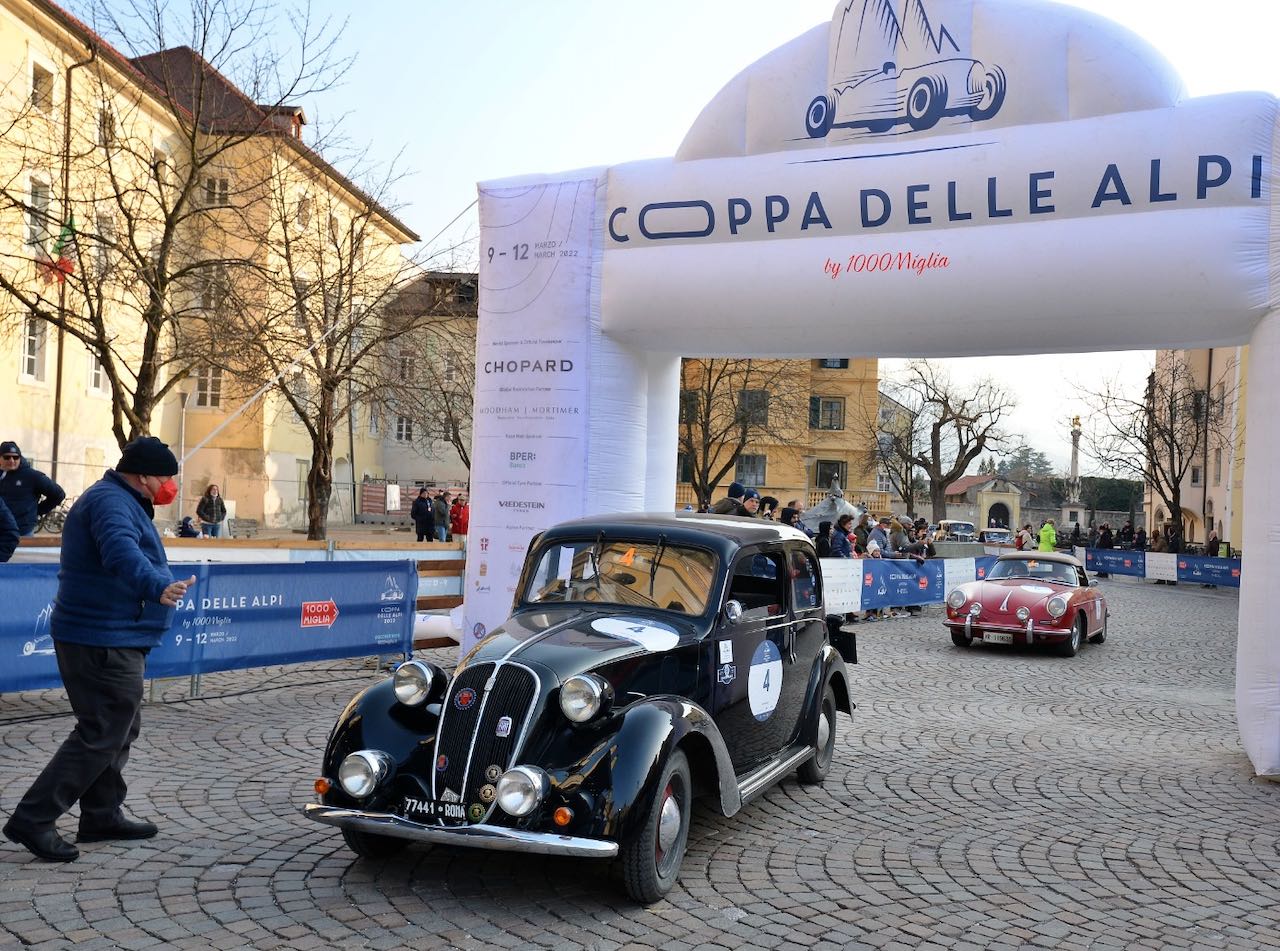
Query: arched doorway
{"points": [[998, 516]]}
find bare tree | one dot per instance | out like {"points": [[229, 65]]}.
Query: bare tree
{"points": [[152, 218], [947, 426], [727, 404], [435, 365], [1158, 436], [894, 425]]}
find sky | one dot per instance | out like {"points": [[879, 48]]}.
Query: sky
{"points": [[460, 93]]}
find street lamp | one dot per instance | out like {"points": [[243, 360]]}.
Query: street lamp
{"points": [[183, 397]]}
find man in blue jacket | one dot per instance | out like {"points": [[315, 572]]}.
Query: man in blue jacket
{"points": [[115, 602], [27, 491], [9, 533]]}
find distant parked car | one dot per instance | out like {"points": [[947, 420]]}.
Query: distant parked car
{"points": [[1029, 598], [954, 530], [995, 536]]}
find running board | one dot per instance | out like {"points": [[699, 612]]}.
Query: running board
{"points": [[764, 777]]}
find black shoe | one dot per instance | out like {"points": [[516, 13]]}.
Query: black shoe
{"points": [[120, 828], [42, 843]]}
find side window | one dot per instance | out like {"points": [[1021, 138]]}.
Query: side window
{"points": [[806, 584], [760, 584]]}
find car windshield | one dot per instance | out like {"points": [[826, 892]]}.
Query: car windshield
{"points": [[637, 574], [1056, 571], [996, 536], [960, 528]]}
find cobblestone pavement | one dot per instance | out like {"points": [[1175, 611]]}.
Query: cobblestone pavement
{"points": [[990, 798]]}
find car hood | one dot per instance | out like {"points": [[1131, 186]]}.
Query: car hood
{"points": [[1006, 596], [573, 640]]}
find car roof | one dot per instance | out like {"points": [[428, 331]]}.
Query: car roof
{"points": [[723, 532], [1059, 557]]}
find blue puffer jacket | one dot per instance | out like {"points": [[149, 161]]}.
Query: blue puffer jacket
{"points": [[113, 571], [8, 533], [29, 493]]}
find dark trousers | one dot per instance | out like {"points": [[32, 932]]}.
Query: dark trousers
{"points": [[104, 685], [425, 531]]}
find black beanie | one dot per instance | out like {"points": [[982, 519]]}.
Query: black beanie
{"points": [[147, 455]]}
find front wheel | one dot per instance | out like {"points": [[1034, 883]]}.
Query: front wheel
{"points": [[651, 859], [1071, 646], [818, 119], [815, 770], [926, 102], [370, 845]]}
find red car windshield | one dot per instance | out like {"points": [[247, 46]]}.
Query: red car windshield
{"points": [[1035, 569]]}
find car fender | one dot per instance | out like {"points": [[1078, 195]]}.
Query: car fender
{"points": [[651, 730], [828, 669], [375, 719]]}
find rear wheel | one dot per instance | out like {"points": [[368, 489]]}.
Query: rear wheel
{"points": [[1071, 646], [651, 859], [961, 639], [814, 771], [370, 845]]}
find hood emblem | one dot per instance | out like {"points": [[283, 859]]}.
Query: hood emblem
{"points": [[1004, 605], [464, 699], [449, 796], [504, 726]]}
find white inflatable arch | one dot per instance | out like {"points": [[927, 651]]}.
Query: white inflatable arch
{"points": [[929, 178]]}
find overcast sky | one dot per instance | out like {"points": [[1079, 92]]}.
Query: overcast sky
{"points": [[466, 92]]}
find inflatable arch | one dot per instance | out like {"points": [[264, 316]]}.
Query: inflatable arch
{"points": [[928, 178]]}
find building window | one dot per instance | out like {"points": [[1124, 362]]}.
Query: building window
{"points": [[1217, 467], [103, 251], [450, 371], [1197, 405], [33, 340], [404, 429], [826, 413], [304, 469], [209, 387], [41, 88], [333, 229], [834, 364], [373, 420], [750, 470], [828, 469], [97, 376], [106, 127], [465, 294], [214, 288], [684, 467], [406, 367], [753, 407], [689, 404], [38, 214], [301, 294], [217, 192], [1196, 476], [160, 165], [883, 482], [303, 215]]}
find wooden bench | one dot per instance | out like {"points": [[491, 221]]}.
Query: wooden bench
{"points": [[242, 527]]}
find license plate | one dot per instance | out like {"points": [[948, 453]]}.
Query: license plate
{"points": [[426, 810], [996, 637]]}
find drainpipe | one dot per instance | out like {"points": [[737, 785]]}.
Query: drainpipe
{"points": [[1204, 472], [62, 283]]}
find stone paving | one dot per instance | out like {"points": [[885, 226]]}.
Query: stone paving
{"points": [[990, 798]]}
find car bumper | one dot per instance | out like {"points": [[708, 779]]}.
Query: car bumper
{"points": [[474, 836], [1021, 633]]}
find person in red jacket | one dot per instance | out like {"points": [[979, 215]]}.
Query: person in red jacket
{"points": [[459, 516]]}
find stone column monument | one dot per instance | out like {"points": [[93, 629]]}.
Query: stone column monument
{"points": [[1072, 511]]}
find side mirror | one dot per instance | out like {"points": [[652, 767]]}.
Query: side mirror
{"points": [[733, 611], [1093, 582]]}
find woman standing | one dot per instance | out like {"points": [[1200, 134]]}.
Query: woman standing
{"points": [[211, 511]]}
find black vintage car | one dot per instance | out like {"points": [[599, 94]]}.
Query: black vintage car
{"points": [[649, 660]]}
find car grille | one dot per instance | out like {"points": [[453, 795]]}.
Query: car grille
{"points": [[474, 752]]}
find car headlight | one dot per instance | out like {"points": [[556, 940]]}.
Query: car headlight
{"points": [[414, 682], [363, 771], [583, 696], [975, 609], [956, 599], [521, 789], [1023, 615], [1057, 606]]}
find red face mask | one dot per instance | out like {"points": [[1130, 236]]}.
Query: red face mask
{"points": [[167, 492]]}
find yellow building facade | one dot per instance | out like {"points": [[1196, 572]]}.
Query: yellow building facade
{"points": [[98, 139]]}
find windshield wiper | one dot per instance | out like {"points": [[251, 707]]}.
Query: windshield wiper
{"points": [[653, 567], [595, 557]]}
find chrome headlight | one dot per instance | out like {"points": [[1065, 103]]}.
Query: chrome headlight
{"points": [[975, 609], [1057, 606], [956, 599], [521, 789], [363, 771], [414, 682], [1023, 615], [583, 696]]}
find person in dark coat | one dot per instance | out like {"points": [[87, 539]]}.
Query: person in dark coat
{"points": [[1140, 539], [440, 515], [822, 541], [187, 528], [841, 546], [211, 511], [731, 504], [28, 492], [1105, 540], [9, 534], [423, 514], [115, 601]]}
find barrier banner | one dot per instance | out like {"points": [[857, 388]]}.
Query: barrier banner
{"points": [[899, 583], [236, 616], [1220, 571], [1161, 566], [1116, 561], [842, 585]]}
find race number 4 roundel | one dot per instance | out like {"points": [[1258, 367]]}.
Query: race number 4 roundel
{"points": [[764, 683]]}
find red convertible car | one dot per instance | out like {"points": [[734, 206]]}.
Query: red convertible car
{"points": [[1030, 597]]}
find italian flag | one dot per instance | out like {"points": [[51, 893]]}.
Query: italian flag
{"points": [[60, 263]]}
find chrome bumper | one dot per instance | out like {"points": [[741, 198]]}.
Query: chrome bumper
{"points": [[477, 836]]}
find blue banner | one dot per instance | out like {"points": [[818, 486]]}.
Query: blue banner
{"points": [[1116, 561], [895, 583], [1220, 571], [235, 616]]}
